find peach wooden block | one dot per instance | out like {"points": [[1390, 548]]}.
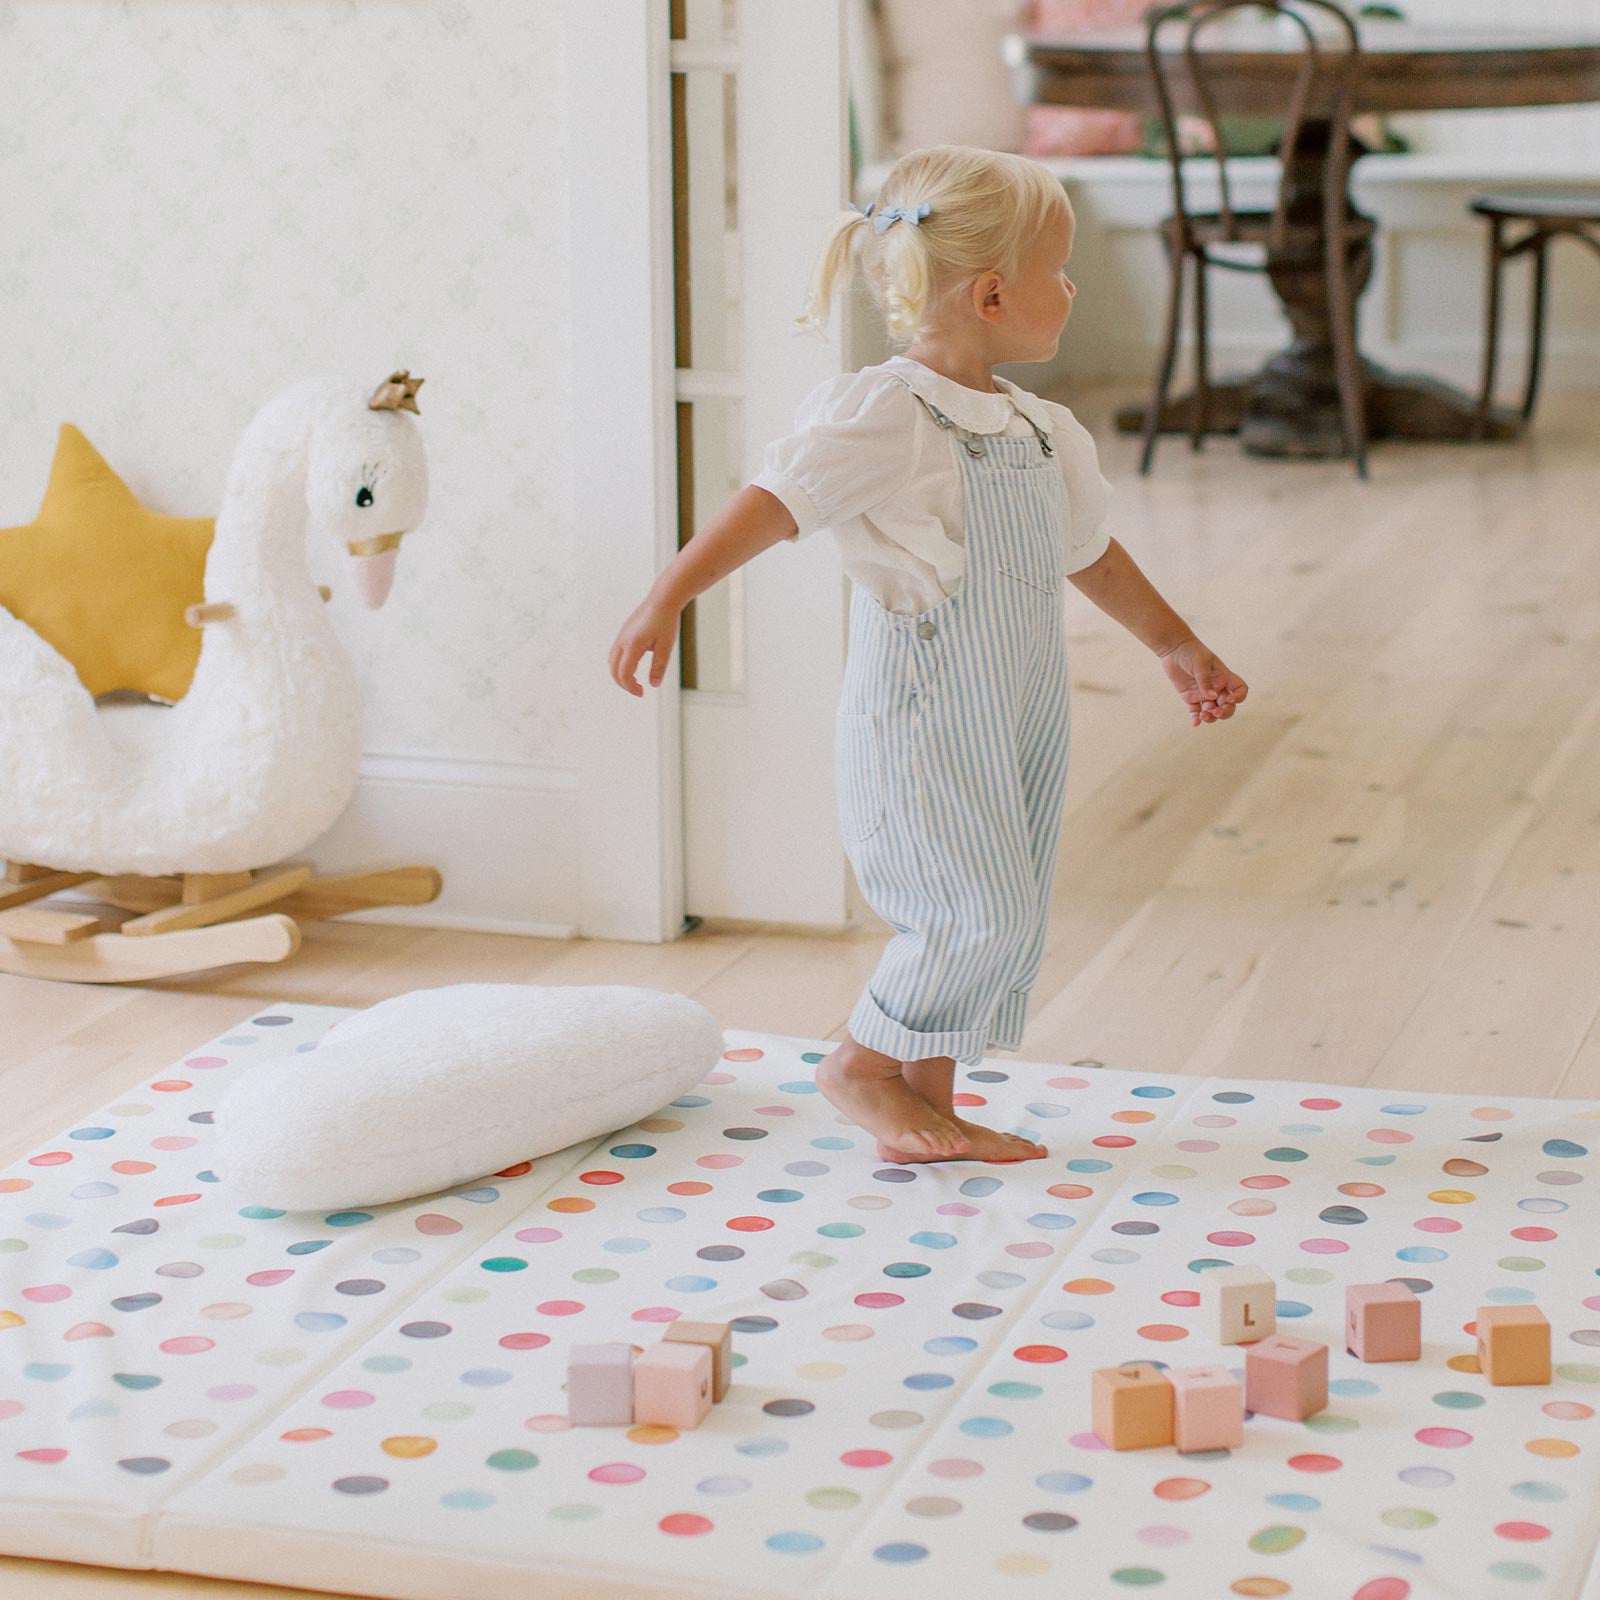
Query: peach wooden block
{"points": [[1382, 1322], [1207, 1409], [1241, 1303], [600, 1384], [718, 1338], [1132, 1406], [672, 1384], [1286, 1377], [1513, 1344]]}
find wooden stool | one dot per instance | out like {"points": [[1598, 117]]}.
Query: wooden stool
{"points": [[1548, 213]]}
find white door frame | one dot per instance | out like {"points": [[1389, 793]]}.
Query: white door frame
{"points": [[623, 519], [761, 834], [759, 762]]}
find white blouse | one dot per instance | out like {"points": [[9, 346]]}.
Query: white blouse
{"points": [[867, 461]]}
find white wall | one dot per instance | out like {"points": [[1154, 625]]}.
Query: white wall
{"points": [[204, 202]]}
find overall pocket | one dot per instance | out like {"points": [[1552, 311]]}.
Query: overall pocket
{"points": [[858, 774], [1032, 560]]}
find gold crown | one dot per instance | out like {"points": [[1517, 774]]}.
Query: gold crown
{"points": [[398, 392]]}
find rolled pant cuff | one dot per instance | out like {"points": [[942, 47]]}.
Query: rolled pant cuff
{"points": [[1005, 1032], [872, 1026]]}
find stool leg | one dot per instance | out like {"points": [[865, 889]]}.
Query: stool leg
{"points": [[1202, 373], [1535, 327], [1158, 401], [1491, 330]]}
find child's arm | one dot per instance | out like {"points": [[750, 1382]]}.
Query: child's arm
{"points": [[1122, 591], [752, 521]]}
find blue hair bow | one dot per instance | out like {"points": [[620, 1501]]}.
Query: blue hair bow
{"points": [[911, 214]]}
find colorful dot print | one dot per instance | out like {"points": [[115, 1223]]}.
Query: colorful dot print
{"points": [[218, 1383]]}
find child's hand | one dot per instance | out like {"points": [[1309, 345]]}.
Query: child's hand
{"points": [[1208, 688], [653, 627]]}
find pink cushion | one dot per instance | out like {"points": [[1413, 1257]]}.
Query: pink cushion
{"points": [[1065, 130]]}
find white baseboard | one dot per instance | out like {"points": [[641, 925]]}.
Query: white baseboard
{"points": [[504, 835], [1455, 360]]}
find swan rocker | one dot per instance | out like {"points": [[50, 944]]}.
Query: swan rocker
{"points": [[183, 806]]}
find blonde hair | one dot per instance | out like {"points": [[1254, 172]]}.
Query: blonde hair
{"points": [[986, 208]]}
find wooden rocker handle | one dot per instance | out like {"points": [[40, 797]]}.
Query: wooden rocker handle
{"points": [[211, 611], [198, 616]]}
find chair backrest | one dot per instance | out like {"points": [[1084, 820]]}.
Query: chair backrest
{"points": [[1330, 66]]}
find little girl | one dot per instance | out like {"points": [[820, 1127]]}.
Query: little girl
{"points": [[958, 502]]}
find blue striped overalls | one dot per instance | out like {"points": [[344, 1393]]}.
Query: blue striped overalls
{"points": [[951, 765]]}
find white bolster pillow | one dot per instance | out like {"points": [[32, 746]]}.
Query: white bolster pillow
{"points": [[435, 1087]]}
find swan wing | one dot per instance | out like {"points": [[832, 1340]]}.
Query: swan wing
{"points": [[52, 747]]}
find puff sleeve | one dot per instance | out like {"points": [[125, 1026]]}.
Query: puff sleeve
{"points": [[1088, 492], [854, 446]]}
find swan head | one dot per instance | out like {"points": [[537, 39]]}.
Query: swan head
{"points": [[367, 480]]}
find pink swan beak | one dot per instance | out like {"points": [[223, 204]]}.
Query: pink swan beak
{"points": [[372, 575]]}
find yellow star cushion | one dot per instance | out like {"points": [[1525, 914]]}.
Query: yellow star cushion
{"points": [[105, 580]]}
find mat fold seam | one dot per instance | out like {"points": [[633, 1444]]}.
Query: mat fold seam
{"points": [[826, 1576]]}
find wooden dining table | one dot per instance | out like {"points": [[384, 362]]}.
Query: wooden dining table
{"points": [[1289, 406]]}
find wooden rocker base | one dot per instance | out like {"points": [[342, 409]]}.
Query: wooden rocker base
{"points": [[115, 958], [184, 924]]}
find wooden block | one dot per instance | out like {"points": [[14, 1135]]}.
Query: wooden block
{"points": [[1382, 1322], [1241, 1303], [1207, 1409], [1513, 1344], [1132, 1406], [672, 1384], [718, 1338], [600, 1384], [1286, 1377]]}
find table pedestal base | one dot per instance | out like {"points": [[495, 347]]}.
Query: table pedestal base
{"points": [[1290, 408]]}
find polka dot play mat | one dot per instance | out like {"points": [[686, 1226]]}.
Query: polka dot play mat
{"points": [[370, 1400]]}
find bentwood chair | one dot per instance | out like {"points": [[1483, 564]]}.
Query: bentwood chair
{"points": [[1254, 241], [1547, 214]]}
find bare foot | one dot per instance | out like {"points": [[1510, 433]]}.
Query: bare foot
{"points": [[985, 1144], [867, 1087]]}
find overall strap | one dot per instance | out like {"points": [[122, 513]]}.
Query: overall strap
{"points": [[1039, 433], [971, 440]]}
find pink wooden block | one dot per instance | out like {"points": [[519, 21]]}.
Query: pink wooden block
{"points": [[600, 1384], [1286, 1377], [1382, 1322], [1208, 1409], [672, 1384]]}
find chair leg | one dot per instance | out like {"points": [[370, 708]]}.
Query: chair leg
{"points": [[1491, 327], [1535, 329], [1199, 413], [1346, 356], [1169, 353]]}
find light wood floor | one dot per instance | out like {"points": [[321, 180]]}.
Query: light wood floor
{"points": [[1385, 869]]}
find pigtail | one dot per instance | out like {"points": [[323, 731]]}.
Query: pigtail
{"points": [[833, 263], [904, 281], [976, 210]]}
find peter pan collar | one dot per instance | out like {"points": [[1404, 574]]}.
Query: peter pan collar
{"points": [[970, 408]]}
